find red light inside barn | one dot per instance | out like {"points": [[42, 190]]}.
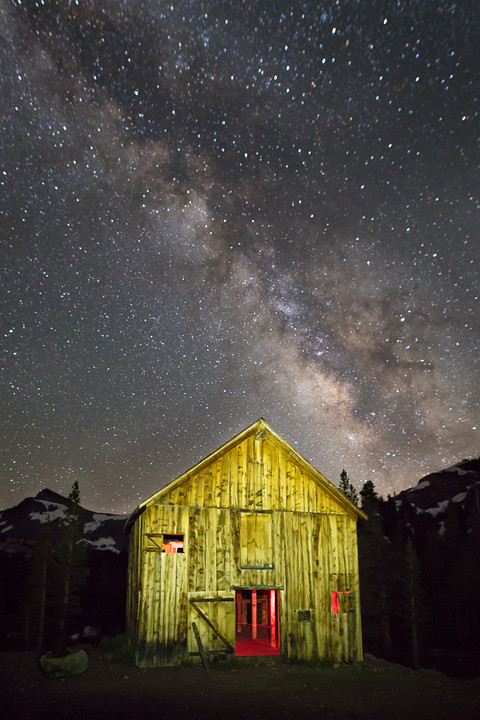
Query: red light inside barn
{"points": [[256, 622], [172, 544], [335, 602]]}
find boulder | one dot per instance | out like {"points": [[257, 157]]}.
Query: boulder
{"points": [[68, 662]]}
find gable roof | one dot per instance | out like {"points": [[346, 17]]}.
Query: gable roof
{"points": [[260, 426]]}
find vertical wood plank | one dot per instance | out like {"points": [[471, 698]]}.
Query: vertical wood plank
{"points": [[276, 490], [242, 478], [209, 499], [250, 476], [192, 549], [200, 484], [267, 484], [211, 515], [235, 546], [282, 481], [222, 552]]}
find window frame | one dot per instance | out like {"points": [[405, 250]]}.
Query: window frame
{"points": [[158, 543], [253, 557]]}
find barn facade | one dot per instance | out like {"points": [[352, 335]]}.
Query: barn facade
{"points": [[250, 552]]}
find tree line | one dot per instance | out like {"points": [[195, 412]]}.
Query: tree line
{"points": [[57, 576], [419, 580], [65, 587]]}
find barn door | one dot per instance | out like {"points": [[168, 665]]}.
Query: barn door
{"points": [[256, 622], [211, 624]]}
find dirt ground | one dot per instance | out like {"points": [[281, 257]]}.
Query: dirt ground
{"points": [[375, 690]]}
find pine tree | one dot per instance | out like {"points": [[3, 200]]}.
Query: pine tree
{"points": [[414, 603], [369, 497], [347, 488], [36, 617], [70, 567], [375, 559]]}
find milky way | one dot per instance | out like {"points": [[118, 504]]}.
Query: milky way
{"points": [[218, 211]]}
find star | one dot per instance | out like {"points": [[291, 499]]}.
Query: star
{"points": [[214, 213]]}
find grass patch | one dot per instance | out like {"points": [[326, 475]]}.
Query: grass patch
{"points": [[120, 649]]}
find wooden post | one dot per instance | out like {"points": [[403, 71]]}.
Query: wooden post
{"points": [[238, 610], [272, 621], [200, 647], [254, 614]]}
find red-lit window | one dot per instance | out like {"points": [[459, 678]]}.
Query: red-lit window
{"points": [[340, 601], [172, 543]]}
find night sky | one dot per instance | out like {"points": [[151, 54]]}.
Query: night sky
{"points": [[213, 212]]}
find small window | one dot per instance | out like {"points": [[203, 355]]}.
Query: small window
{"points": [[172, 543], [304, 616], [164, 543], [340, 601]]}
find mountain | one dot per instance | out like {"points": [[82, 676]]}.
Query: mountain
{"points": [[455, 488], [19, 525], [419, 557]]}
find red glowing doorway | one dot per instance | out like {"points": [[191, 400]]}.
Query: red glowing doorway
{"points": [[256, 622]]}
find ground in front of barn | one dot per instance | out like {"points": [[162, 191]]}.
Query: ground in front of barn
{"points": [[257, 689]]}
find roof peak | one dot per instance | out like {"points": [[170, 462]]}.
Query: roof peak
{"points": [[256, 427]]}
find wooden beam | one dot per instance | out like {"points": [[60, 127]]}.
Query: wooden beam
{"points": [[214, 599], [200, 647], [256, 587], [211, 625], [210, 652]]}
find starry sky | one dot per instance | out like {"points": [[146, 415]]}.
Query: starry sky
{"points": [[217, 211]]}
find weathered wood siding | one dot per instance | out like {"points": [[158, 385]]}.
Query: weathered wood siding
{"points": [[252, 517]]}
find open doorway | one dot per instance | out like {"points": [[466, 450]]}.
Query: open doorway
{"points": [[256, 622]]}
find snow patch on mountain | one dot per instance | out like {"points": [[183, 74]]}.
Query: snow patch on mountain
{"points": [[104, 543], [458, 469], [98, 519], [441, 507], [421, 485], [52, 511], [21, 524], [457, 486]]}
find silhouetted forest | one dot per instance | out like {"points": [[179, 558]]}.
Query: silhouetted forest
{"points": [[101, 601], [420, 583]]}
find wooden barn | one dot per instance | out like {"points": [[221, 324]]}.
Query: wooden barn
{"points": [[250, 552]]}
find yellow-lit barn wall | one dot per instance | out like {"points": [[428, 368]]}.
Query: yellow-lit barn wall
{"points": [[313, 551]]}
